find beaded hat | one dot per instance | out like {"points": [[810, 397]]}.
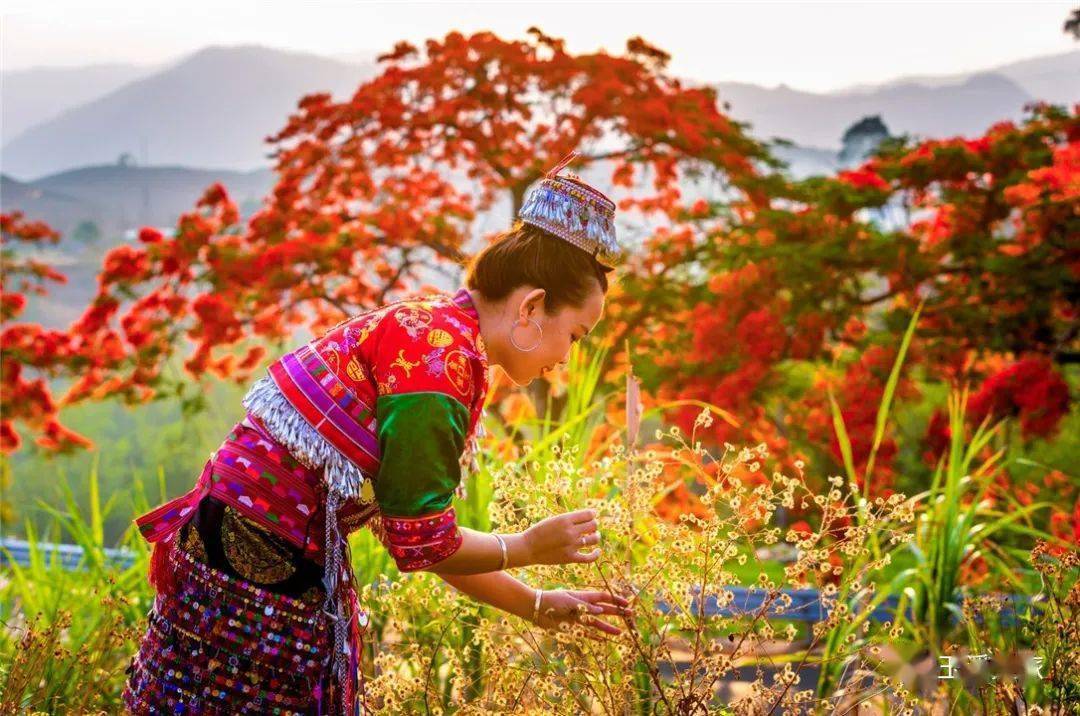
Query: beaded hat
{"points": [[576, 212]]}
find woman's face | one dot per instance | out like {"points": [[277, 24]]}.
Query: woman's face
{"points": [[560, 331]]}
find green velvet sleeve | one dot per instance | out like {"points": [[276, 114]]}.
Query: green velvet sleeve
{"points": [[421, 438]]}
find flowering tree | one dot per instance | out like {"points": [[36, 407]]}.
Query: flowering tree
{"points": [[25, 345], [984, 242], [376, 191]]}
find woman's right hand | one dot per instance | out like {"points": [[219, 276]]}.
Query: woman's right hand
{"points": [[557, 539]]}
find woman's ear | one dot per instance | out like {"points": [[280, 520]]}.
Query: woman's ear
{"points": [[532, 303]]}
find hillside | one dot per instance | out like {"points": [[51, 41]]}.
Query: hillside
{"points": [[213, 109], [38, 94], [819, 120], [96, 208], [1052, 78]]}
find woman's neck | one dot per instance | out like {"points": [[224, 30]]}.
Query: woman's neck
{"points": [[490, 318]]}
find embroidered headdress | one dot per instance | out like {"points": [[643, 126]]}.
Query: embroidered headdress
{"points": [[574, 211]]}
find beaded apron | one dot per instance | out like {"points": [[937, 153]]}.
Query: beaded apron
{"points": [[221, 645], [249, 471]]}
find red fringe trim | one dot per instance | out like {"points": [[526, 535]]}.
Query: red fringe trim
{"points": [[161, 574]]}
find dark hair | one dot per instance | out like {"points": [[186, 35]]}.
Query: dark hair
{"points": [[526, 254]]}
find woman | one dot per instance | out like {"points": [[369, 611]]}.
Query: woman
{"points": [[371, 424]]}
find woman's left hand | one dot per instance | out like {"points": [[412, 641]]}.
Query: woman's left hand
{"points": [[579, 606]]}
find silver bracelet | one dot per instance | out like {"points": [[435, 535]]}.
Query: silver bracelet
{"points": [[505, 558], [536, 604]]}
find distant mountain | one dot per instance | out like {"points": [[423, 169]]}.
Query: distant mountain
{"points": [[97, 208], [1053, 78], [132, 196], [819, 120], [63, 212], [38, 94], [212, 109], [119, 198]]}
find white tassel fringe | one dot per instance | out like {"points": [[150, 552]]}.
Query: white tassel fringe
{"points": [[266, 402]]}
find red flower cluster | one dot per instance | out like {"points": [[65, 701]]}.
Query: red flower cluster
{"points": [[938, 436], [1066, 527], [859, 395], [25, 345], [1029, 389], [125, 263], [865, 177]]}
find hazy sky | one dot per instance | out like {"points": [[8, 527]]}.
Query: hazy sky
{"points": [[813, 46]]}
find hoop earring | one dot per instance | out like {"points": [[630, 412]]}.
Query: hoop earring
{"points": [[539, 338]]}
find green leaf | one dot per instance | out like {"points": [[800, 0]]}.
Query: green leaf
{"points": [[887, 396]]}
